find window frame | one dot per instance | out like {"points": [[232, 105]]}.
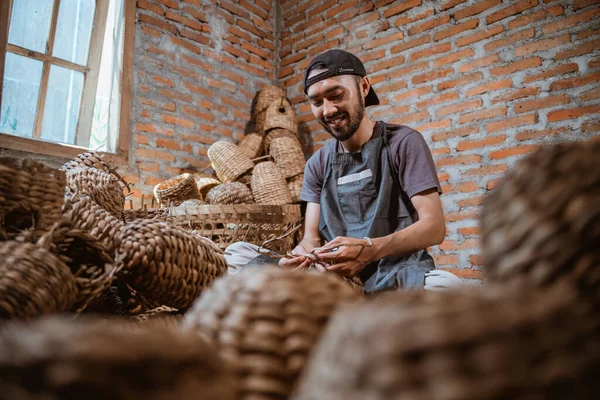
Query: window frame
{"points": [[91, 71]]}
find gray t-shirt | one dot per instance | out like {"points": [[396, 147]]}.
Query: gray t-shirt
{"points": [[410, 158]]}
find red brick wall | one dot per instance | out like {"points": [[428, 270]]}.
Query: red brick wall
{"points": [[484, 81]]}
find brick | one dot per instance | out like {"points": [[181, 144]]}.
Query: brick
{"points": [[151, 31], [516, 94], [528, 135], [170, 119], [431, 76], [527, 19], [384, 40], [236, 53], [585, 48], [461, 215], [471, 230], [481, 115], [235, 10], [418, 92], [560, 70], [429, 25], [477, 37], [345, 16], [199, 15], [255, 50], [561, 115], [165, 26], [168, 144], [439, 49], [200, 63], [466, 187], [443, 150], [387, 63], [476, 144], [400, 8], [443, 124], [588, 33], [476, 76], [454, 245], [406, 20], [578, 4], [438, 99], [544, 102], [475, 9], [293, 59], [170, 3], [571, 21], [542, 45], [198, 114], [321, 8], [482, 62], [445, 259], [476, 259], [145, 128], [191, 23], [410, 44], [451, 58], [516, 66], [487, 170], [590, 94], [594, 63], [196, 37], [455, 160], [574, 82], [163, 81], [511, 10], [340, 8], [522, 149], [443, 177], [462, 132], [466, 273], [194, 137], [489, 87], [413, 117], [451, 3], [455, 30], [253, 9], [191, 47], [250, 28], [510, 41], [154, 155], [511, 123], [146, 5]]}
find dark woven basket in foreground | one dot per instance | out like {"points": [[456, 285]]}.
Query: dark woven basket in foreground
{"points": [[89, 359], [102, 187], [264, 322]]}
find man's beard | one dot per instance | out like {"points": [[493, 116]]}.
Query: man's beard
{"points": [[354, 118]]}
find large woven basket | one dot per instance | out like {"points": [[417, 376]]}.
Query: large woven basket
{"points": [[167, 264], [264, 322], [251, 144], [33, 282], [230, 193], [274, 134], [31, 198], [490, 344], [176, 190], [288, 156], [205, 183], [92, 159], [280, 114], [269, 186], [63, 359], [543, 220], [295, 187], [102, 187], [229, 161], [264, 98]]}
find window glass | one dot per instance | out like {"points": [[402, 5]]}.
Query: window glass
{"points": [[73, 30], [30, 23]]}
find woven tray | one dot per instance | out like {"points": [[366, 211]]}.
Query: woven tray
{"points": [[228, 161], [230, 193], [176, 190], [264, 322], [269, 186], [288, 156]]}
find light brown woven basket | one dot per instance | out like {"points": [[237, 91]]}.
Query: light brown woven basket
{"points": [[229, 161], [280, 114], [113, 359], [266, 96], [33, 282], [205, 183], [295, 187], [176, 190], [274, 134], [31, 198], [288, 156], [264, 322], [230, 193], [251, 144], [102, 187], [167, 264], [269, 186], [488, 344]]}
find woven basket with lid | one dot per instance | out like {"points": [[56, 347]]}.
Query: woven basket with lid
{"points": [[264, 322], [176, 190], [295, 187], [102, 187], [274, 134], [279, 114], [33, 282], [251, 144], [229, 161], [264, 98], [205, 183], [288, 156], [230, 193], [31, 198], [269, 185], [166, 263], [94, 359]]}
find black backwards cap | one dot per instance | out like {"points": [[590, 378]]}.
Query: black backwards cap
{"points": [[338, 62]]}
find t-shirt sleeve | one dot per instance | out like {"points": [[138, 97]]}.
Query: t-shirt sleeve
{"points": [[416, 167], [314, 172]]}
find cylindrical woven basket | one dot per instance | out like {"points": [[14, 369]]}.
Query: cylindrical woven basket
{"points": [[251, 144], [230, 193], [489, 344], [176, 190], [33, 282], [266, 96], [205, 183], [264, 322], [92, 359], [167, 264], [31, 198], [542, 222], [269, 185], [229, 161], [102, 187], [280, 114], [274, 134], [288, 156], [295, 187]]}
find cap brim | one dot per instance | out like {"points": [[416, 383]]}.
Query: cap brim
{"points": [[371, 99]]}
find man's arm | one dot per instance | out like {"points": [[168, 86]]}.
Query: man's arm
{"points": [[309, 241]]}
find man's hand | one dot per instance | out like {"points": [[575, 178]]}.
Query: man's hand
{"points": [[347, 256], [299, 262]]}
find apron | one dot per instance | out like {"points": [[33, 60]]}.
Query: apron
{"points": [[361, 196]]}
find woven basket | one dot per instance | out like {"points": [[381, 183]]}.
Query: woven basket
{"points": [[167, 264], [266, 96], [230, 193], [274, 134], [192, 203], [176, 190], [280, 114], [295, 187], [288, 156], [111, 359], [103, 188], [159, 214], [161, 316], [33, 282], [229, 161], [251, 144], [269, 186], [264, 322], [490, 344], [31, 198], [205, 183], [92, 159], [542, 221]]}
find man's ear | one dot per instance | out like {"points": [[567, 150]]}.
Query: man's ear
{"points": [[365, 85]]}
